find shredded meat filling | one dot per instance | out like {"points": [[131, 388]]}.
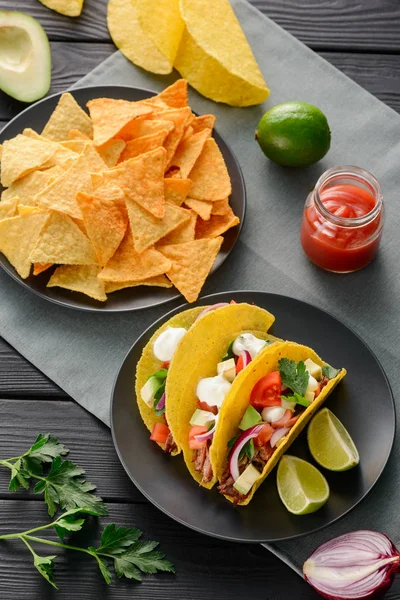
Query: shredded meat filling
{"points": [[202, 463], [170, 445]]}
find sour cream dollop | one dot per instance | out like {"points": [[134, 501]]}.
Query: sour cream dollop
{"points": [[167, 342], [249, 342], [213, 390]]}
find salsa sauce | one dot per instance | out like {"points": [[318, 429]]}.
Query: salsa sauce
{"points": [[346, 247]]}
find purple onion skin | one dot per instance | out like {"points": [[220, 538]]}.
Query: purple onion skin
{"points": [[371, 594]]}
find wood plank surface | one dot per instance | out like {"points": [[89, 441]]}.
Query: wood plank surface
{"points": [[371, 25]]}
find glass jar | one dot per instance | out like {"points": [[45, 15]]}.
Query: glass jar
{"points": [[343, 220]]}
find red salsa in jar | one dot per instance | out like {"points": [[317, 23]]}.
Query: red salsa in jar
{"points": [[343, 220]]}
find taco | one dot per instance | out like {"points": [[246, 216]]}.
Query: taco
{"points": [[206, 367], [274, 401]]}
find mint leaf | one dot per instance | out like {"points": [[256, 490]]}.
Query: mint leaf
{"points": [[293, 376], [330, 372], [45, 566]]}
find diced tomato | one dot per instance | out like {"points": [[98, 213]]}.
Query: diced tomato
{"points": [[232, 302], [292, 421], [195, 445], [165, 365], [267, 391], [196, 430], [205, 406], [283, 422], [239, 364], [264, 436], [159, 433]]}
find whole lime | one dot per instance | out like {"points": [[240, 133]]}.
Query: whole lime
{"points": [[294, 134]]}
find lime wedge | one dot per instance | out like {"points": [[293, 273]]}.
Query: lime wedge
{"points": [[301, 487], [330, 443]]}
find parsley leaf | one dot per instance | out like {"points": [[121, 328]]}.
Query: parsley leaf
{"points": [[330, 372], [298, 399], [45, 566], [160, 374], [64, 485], [233, 440], [115, 540], [294, 376], [229, 353]]}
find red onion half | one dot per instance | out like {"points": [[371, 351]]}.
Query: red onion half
{"points": [[358, 565], [210, 308]]}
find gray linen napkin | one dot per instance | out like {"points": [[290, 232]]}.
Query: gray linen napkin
{"points": [[82, 352]]}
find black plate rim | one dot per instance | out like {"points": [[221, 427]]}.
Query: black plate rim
{"points": [[215, 297], [104, 310]]}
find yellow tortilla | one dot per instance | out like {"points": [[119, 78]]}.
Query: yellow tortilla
{"points": [[200, 351], [238, 400]]}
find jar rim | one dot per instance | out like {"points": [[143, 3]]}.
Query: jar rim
{"points": [[358, 174]]}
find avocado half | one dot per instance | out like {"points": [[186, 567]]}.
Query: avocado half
{"points": [[25, 57]]}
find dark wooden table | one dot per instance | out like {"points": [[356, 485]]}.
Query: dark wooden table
{"points": [[360, 37]]}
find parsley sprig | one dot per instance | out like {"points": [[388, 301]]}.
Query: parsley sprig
{"points": [[64, 486], [295, 377]]}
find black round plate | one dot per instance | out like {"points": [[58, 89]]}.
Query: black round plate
{"points": [[35, 117], [165, 481]]}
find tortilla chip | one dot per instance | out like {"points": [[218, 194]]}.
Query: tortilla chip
{"points": [[66, 116], [217, 225], [106, 189], [179, 117], [105, 223], [110, 116], [27, 187], [183, 233], [220, 207], [75, 134], [77, 146], [110, 152], [61, 194], [8, 208], [21, 155], [28, 210], [80, 278], [63, 158], [201, 207], [62, 242], [41, 267], [1, 151], [144, 127], [203, 122], [191, 265], [18, 236], [142, 180], [210, 176], [175, 95], [158, 281], [147, 229], [215, 57], [189, 151], [189, 131], [143, 144], [129, 265], [31, 133], [176, 190], [69, 8], [129, 37]]}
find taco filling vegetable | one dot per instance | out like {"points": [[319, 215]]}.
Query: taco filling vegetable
{"points": [[277, 401]]}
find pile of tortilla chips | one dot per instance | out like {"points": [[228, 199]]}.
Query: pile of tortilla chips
{"points": [[202, 39], [135, 194]]}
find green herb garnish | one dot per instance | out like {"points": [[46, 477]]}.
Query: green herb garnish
{"points": [[294, 376], [330, 372], [229, 353], [298, 399]]}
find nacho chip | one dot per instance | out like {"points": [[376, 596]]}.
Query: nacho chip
{"points": [[210, 176], [8, 208], [31, 133], [63, 158], [129, 265], [111, 151], [27, 187], [66, 116], [41, 267], [143, 127], [201, 207], [203, 122], [176, 190], [183, 233], [62, 242], [143, 144], [110, 116], [176, 95], [147, 229], [75, 134], [95, 163], [18, 236], [105, 223], [189, 131], [69, 8], [61, 193], [162, 23], [215, 57], [220, 207], [79, 278], [28, 210], [77, 146], [21, 155], [179, 117], [129, 37], [106, 189], [189, 151], [217, 225], [191, 264], [158, 281], [142, 180]]}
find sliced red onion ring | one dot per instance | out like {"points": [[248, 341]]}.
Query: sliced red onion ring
{"points": [[277, 435], [358, 565], [246, 358], [240, 442], [161, 403], [202, 437], [210, 308]]}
